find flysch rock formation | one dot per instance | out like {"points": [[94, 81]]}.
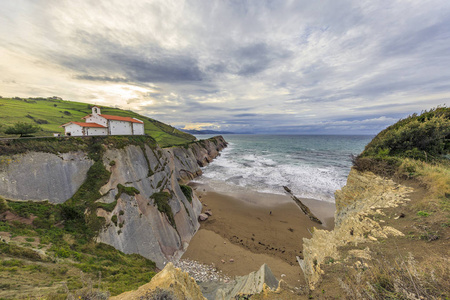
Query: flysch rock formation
{"points": [[365, 194], [179, 285], [203, 151], [247, 285], [171, 282], [39, 176], [140, 227]]}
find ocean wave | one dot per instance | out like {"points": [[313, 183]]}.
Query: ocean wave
{"points": [[310, 172]]}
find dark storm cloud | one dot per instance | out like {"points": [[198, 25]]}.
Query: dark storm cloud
{"points": [[133, 64]]}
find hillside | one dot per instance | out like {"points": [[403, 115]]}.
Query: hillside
{"points": [[50, 113], [103, 213]]}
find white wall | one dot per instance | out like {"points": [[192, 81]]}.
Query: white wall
{"points": [[74, 129], [138, 129], [97, 119], [96, 131], [120, 127]]}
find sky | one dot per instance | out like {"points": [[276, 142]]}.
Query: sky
{"points": [[298, 67]]}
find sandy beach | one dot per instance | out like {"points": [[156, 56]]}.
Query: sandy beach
{"points": [[253, 228]]}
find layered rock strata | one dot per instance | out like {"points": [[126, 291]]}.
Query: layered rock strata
{"points": [[170, 283], [40, 176], [140, 175], [364, 195]]}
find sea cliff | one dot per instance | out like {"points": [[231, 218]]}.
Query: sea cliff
{"points": [[356, 203], [141, 202]]}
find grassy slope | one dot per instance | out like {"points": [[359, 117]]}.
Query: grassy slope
{"points": [[65, 233], [57, 112]]}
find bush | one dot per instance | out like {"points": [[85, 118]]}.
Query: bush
{"points": [[3, 205], [423, 137], [129, 190], [162, 203], [114, 219], [187, 191], [22, 128]]}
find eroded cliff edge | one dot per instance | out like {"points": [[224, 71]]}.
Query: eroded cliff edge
{"points": [[141, 204], [364, 195]]}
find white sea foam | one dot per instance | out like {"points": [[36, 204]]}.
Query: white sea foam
{"points": [[309, 172], [265, 175]]}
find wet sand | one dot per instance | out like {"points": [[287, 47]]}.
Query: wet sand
{"points": [[254, 228]]}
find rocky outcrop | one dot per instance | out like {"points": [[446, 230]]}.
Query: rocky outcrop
{"points": [[39, 176], [141, 227], [247, 285], [170, 283], [364, 195], [189, 159], [177, 284], [149, 213]]}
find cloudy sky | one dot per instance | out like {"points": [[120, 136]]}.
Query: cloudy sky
{"points": [[244, 66]]}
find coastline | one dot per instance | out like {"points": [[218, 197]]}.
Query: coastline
{"points": [[251, 228]]}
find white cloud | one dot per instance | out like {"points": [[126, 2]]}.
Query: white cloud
{"points": [[239, 65]]}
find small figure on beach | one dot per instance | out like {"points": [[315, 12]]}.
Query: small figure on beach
{"points": [[270, 213]]}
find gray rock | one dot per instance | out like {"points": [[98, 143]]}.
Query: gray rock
{"points": [[241, 285], [39, 176], [202, 217]]}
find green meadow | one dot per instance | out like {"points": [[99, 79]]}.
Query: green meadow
{"points": [[51, 113]]}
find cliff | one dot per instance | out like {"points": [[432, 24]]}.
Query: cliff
{"points": [[170, 283], [391, 235], [173, 283], [364, 195], [139, 199]]}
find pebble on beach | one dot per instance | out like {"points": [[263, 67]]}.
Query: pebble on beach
{"points": [[201, 272]]}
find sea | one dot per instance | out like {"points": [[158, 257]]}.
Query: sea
{"points": [[312, 166]]}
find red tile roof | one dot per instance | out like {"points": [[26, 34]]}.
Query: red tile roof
{"points": [[117, 118], [85, 124]]}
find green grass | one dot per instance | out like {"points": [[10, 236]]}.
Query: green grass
{"points": [[120, 272], [49, 114]]}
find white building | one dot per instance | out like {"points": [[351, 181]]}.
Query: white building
{"points": [[99, 124]]}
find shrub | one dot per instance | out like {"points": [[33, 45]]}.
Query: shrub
{"points": [[22, 128], [423, 213], [162, 202], [423, 137], [3, 205], [129, 190], [114, 219], [187, 191]]}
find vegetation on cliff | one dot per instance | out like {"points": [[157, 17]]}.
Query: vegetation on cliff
{"points": [[50, 113], [423, 138], [46, 248]]}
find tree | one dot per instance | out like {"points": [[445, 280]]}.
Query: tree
{"points": [[22, 128]]}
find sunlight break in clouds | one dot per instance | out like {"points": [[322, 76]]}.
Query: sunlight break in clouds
{"points": [[243, 66]]}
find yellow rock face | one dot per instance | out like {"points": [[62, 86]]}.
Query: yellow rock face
{"points": [[170, 279], [364, 195]]}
